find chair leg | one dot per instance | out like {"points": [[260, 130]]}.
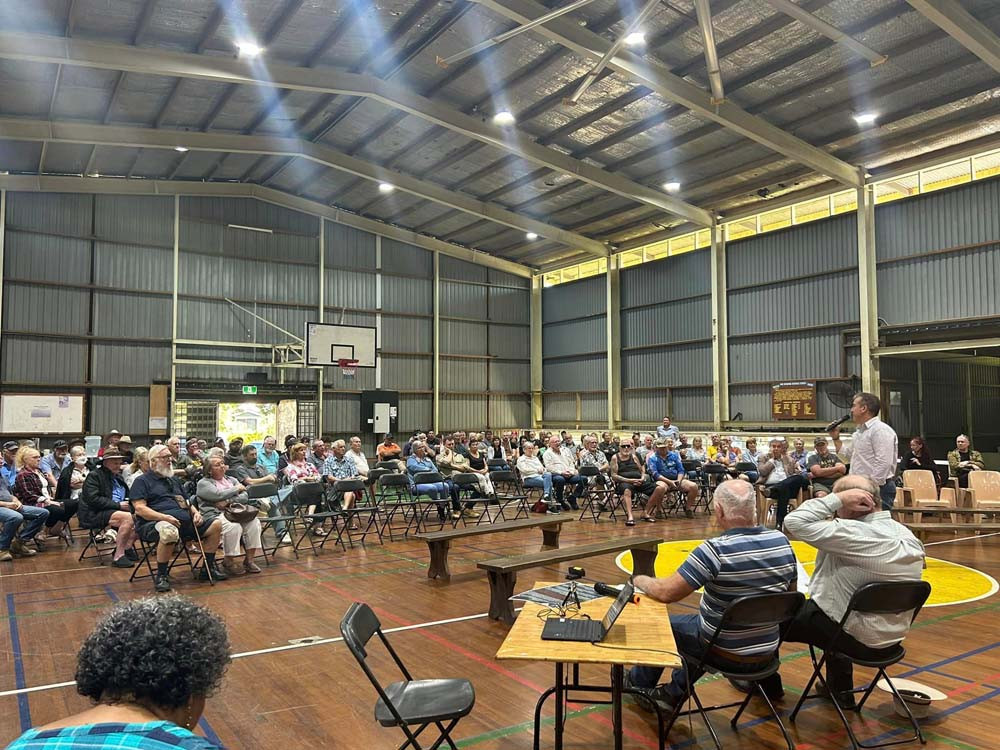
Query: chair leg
{"points": [[743, 705], [774, 713], [445, 735], [812, 679]]}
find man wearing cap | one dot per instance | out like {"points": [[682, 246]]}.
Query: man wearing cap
{"points": [[824, 468], [665, 467], [54, 463], [103, 503], [12, 515], [165, 518], [9, 470], [112, 442]]}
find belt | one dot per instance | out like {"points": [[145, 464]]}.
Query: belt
{"points": [[738, 658]]}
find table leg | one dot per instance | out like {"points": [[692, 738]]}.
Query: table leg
{"points": [[643, 561], [550, 536], [501, 590], [617, 679], [439, 559], [560, 697]]}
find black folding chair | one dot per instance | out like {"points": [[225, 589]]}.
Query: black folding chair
{"points": [[889, 598], [412, 705], [468, 493], [264, 491], [426, 505], [147, 550], [388, 465], [100, 548], [394, 498], [348, 517], [509, 492], [693, 471], [757, 612], [497, 464], [598, 495]]}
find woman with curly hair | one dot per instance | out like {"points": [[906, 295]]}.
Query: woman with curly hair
{"points": [[149, 665]]}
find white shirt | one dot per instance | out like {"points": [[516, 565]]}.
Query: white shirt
{"points": [[561, 461], [530, 466], [778, 473], [360, 461], [873, 452], [853, 552]]}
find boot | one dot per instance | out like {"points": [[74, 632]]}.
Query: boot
{"points": [[234, 566], [19, 549]]}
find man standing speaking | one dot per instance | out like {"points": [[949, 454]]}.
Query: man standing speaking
{"points": [[872, 453]]}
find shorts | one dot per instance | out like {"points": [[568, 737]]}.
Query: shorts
{"points": [[103, 518], [149, 531], [646, 488]]}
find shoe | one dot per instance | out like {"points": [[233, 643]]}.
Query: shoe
{"points": [[638, 694], [250, 567], [455, 515], [122, 562], [233, 569], [845, 700], [630, 522], [318, 531], [286, 538], [161, 583], [602, 506], [648, 519], [663, 699], [132, 555], [688, 513], [745, 686], [39, 544], [5, 555], [553, 511], [19, 549], [566, 506], [218, 574], [470, 513]]}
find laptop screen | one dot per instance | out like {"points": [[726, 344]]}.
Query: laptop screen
{"points": [[624, 597]]}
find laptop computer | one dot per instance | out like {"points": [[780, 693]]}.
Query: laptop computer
{"points": [[587, 631]]}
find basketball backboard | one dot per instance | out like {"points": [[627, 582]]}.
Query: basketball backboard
{"points": [[328, 343]]}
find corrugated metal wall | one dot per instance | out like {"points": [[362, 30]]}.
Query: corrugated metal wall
{"points": [[574, 351], [666, 333]]}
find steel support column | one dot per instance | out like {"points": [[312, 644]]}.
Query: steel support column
{"points": [[173, 312], [436, 397], [3, 232], [720, 331], [535, 354], [612, 319], [322, 317], [868, 290], [378, 308], [920, 397]]}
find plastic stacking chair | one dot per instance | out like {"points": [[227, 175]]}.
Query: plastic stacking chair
{"points": [[919, 490], [983, 492], [757, 612], [892, 598], [412, 705]]}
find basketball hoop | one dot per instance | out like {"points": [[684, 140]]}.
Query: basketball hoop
{"points": [[347, 367]]}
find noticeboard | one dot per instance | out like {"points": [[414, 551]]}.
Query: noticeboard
{"points": [[791, 401]]}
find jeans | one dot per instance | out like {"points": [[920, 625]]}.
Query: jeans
{"points": [[279, 508], [687, 634], [784, 491], [576, 479], [11, 520], [544, 481], [888, 493], [436, 491]]}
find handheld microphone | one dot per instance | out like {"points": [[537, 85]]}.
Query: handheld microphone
{"points": [[605, 590], [835, 425]]}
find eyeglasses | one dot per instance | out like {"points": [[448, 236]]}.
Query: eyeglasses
{"points": [[626, 445]]}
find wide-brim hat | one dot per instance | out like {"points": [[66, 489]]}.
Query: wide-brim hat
{"points": [[108, 455]]}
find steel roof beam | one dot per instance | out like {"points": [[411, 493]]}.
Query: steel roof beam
{"points": [[47, 49], [657, 77], [111, 135], [704, 11], [829, 31], [963, 27]]}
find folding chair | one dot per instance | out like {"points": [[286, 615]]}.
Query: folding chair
{"points": [[100, 548], [467, 487], [758, 612], [715, 474], [425, 504], [497, 464], [347, 516], [599, 494], [890, 598], [394, 498], [693, 471], [509, 492], [388, 466], [148, 549], [412, 705], [265, 491]]}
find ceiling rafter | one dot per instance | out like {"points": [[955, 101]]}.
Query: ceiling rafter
{"points": [[132, 137], [963, 27]]}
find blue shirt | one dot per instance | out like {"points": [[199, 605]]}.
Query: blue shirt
{"points": [[50, 464], [668, 432], [118, 488], [340, 468], [741, 562], [669, 467], [152, 735], [9, 473], [414, 465], [270, 463]]}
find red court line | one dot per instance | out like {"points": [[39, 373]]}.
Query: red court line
{"points": [[478, 659], [973, 685]]}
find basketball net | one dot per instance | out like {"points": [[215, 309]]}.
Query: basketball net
{"points": [[347, 367]]}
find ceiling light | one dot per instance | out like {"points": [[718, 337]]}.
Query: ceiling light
{"points": [[671, 187], [385, 188], [865, 118], [504, 117], [249, 49], [531, 236], [635, 39], [181, 149]]}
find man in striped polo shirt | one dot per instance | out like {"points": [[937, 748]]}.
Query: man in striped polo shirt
{"points": [[746, 559]]}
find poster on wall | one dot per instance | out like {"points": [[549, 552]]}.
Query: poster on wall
{"points": [[40, 413], [790, 401]]}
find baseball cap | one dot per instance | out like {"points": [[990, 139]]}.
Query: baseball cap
{"points": [[10, 445], [59, 444], [820, 441], [114, 432]]}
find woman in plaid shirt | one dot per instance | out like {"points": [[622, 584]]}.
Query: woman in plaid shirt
{"points": [[31, 488]]}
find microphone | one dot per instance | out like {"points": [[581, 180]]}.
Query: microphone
{"points": [[605, 590], [835, 425]]}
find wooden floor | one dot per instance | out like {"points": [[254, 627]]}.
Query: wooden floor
{"points": [[316, 697]]}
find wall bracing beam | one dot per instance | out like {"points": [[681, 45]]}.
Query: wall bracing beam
{"points": [[535, 355]]}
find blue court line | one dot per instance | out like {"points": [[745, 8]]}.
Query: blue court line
{"points": [[939, 673], [110, 592], [954, 709], [23, 709], [950, 660]]}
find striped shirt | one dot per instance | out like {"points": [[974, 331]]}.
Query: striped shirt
{"points": [[741, 562], [152, 735]]}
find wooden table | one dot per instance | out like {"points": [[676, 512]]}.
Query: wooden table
{"points": [[641, 635]]}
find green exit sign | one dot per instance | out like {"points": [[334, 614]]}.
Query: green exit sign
{"points": [[249, 390]]}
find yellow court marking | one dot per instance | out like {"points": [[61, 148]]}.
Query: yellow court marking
{"points": [[950, 582]]}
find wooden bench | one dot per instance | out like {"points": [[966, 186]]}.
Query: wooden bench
{"points": [[920, 530], [439, 542], [502, 571]]}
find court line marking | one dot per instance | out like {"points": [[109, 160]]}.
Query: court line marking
{"points": [[963, 539], [272, 650]]}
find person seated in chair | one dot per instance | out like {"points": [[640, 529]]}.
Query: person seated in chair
{"points": [[250, 472], [646, 448], [216, 491], [963, 461], [165, 518], [666, 469], [419, 462], [533, 474], [861, 544], [592, 455], [13, 513], [746, 559], [559, 459], [104, 503], [799, 454], [631, 481], [479, 467], [53, 464], [782, 478], [31, 488], [697, 451], [825, 468], [339, 466], [357, 455]]}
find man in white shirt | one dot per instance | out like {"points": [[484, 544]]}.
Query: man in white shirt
{"points": [[354, 453], [559, 460], [667, 430], [860, 544], [873, 453]]}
